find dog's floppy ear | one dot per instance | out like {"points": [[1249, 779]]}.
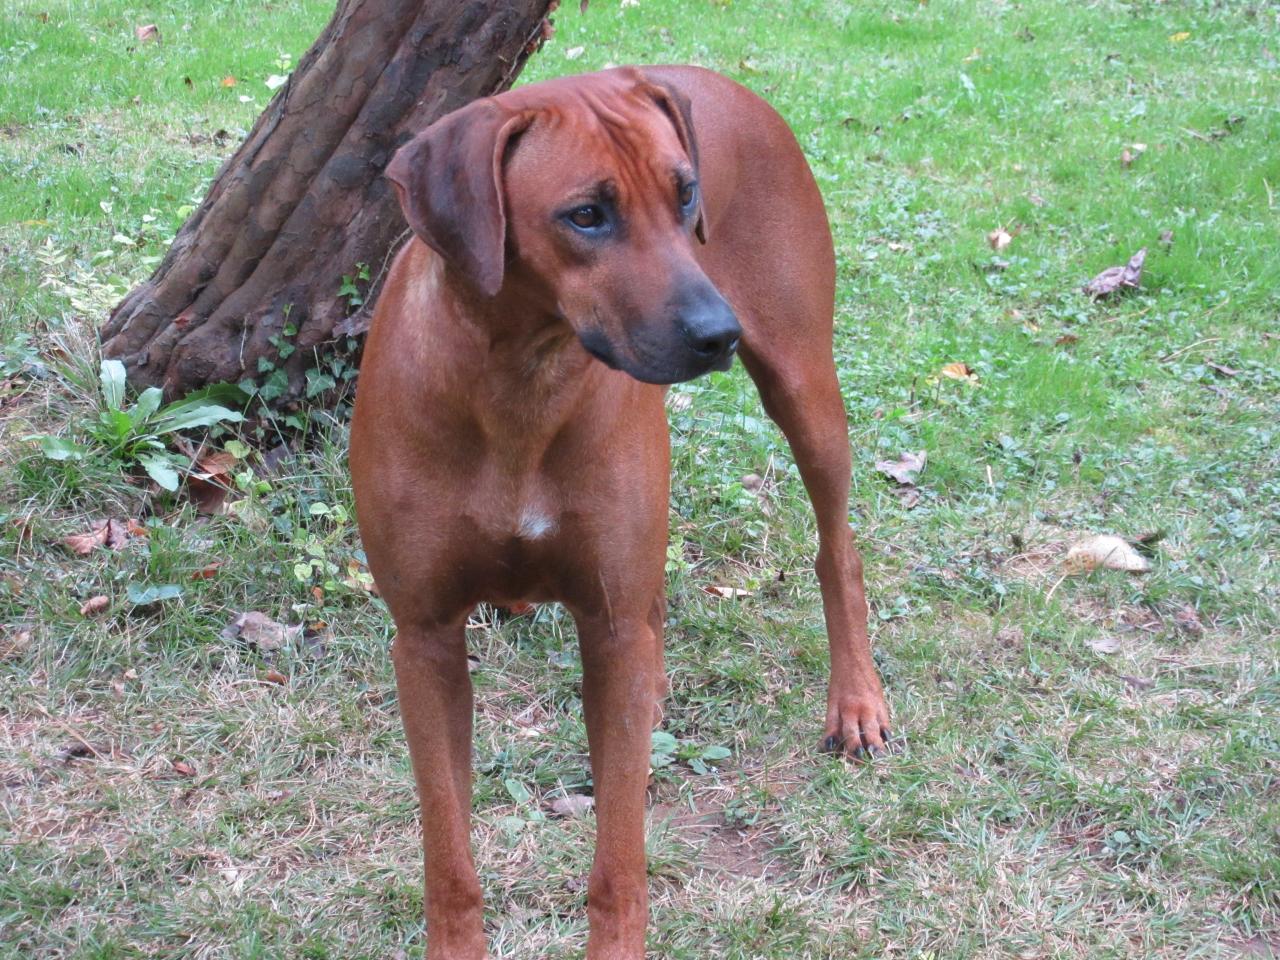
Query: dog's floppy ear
{"points": [[449, 181], [679, 111]]}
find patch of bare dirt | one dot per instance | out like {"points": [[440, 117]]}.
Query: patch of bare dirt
{"points": [[722, 847]]}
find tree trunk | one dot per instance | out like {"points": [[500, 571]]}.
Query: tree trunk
{"points": [[251, 283]]}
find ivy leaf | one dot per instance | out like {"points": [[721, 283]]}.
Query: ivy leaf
{"points": [[142, 596]]}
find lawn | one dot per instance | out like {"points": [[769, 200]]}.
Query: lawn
{"points": [[1091, 766]]}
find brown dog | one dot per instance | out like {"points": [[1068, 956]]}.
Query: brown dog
{"points": [[580, 243]]}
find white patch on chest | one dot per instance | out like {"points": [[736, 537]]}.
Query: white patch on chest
{"points": [[534, 525]]}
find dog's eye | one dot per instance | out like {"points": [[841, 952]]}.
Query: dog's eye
{"points": [[688, 196], [588, 217]]}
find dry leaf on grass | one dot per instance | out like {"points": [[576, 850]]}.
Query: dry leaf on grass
{"points": [[105, 533], [148, 33], [94, 605], [208, 571], [228, 81], [210, 481], [959, 371], [1188, 620], [1104, 644], [1131, 153], [905, 468], [184, 768], [258, 630], [726, 593], [574, 805], [1104, 551], [1114, 279], [999, 238], [909, 497]]}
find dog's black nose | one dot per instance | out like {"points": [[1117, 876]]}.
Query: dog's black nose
{"points": [[710, 329]]}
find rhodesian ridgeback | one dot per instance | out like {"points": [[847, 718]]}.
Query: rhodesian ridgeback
{"points": [[580, 244]]}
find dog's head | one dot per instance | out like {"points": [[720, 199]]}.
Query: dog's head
{"points": [[583, 194]]}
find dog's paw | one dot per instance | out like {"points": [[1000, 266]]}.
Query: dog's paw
{"points": [[858, 727]]}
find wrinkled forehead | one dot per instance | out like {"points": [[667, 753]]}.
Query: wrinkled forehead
{"points": [[586, 137]]}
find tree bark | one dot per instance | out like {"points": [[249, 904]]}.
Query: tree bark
{"points": [[251, 282]]}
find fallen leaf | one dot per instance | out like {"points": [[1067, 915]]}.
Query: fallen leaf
{"points": [[1011, 636], [84, 544], [275, 676], [1188, 620], [1117, 278], [726, 593], [94, 605], [574, 805], [521, 609], [104, 533], [209, 481], [959, 371], [228, 81], [909, 497], [905, 468], [1222, 369], [145, 596], [147, 34], [208, 571], [999, 238], [14, 640], [251, 513], [184, 768], [573, 53], [1104, 644], [1131, 153], [359, 578], [1107, 551], [258, 630], [1147, 541], [1180, 36], [1066, 340]]}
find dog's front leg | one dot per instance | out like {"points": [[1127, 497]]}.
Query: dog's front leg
{"points": [[435, 704], [619, 658]]}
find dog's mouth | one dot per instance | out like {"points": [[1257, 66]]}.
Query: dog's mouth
{"points": [[671, 366], [597, 344]]}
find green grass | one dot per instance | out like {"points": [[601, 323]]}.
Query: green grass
{"points": [[1053, 801]]}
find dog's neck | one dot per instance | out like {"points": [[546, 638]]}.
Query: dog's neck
{"points": [[520, 371]]}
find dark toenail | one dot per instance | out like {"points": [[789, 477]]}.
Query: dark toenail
{"points": [[831, 744]]}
